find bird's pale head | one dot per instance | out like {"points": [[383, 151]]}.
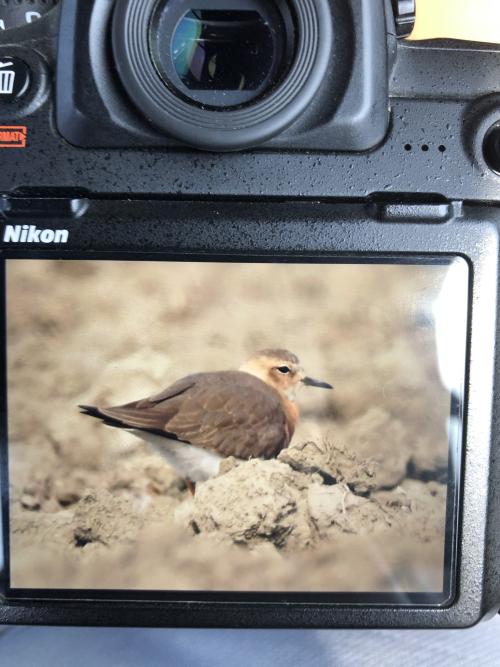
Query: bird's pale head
{"points": [[280, 369]]}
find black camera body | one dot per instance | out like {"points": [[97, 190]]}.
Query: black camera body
{"points": [[334, 142]]}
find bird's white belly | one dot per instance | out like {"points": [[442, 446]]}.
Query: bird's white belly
{"points": [[190, 462]]}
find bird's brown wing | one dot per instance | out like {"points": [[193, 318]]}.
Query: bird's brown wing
{"points": [[232, 413], [172, 391]]}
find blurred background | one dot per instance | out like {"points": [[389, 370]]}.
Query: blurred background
{"points": [[473, 20]]}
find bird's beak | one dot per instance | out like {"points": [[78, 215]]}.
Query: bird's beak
{"points": [[309, 382]]}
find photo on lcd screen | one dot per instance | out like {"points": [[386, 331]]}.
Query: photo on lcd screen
{"points": [[234, 427]]}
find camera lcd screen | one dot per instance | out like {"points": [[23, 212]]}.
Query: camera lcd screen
{"points": [[288, 429]]}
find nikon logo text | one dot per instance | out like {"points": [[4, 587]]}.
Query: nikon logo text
{"points": [[31, 234]]}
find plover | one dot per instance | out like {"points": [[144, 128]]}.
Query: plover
{"points": [[206, 417]]}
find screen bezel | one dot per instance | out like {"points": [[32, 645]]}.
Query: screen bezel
{"points": [[455, 454], [315, 228]]}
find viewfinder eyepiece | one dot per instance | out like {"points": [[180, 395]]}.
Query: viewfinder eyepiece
{"points": [[223, 74]]}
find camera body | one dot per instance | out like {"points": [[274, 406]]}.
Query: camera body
{"points": [[352, 146]]}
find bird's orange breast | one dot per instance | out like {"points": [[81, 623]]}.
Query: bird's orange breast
{"points": [[292, 417]]}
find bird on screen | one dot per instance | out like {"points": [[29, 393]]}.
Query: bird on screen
{"points": [[206, 417]]}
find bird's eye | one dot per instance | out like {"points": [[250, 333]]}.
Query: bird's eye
{"points": [[283, 369]]}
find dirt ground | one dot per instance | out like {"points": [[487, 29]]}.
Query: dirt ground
{"points": [[357, 503]]}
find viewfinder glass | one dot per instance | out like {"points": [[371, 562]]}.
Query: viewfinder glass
{"points": [[222, 57], [222, 50]]}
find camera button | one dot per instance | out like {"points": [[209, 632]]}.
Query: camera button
{"points": [[15, 79]]}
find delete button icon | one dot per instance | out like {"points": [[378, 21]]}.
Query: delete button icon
{"points": [[7, 79], [15, 79]]}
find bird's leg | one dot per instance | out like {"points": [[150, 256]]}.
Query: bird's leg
{"points": [[346, 493], [191, 486]]}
